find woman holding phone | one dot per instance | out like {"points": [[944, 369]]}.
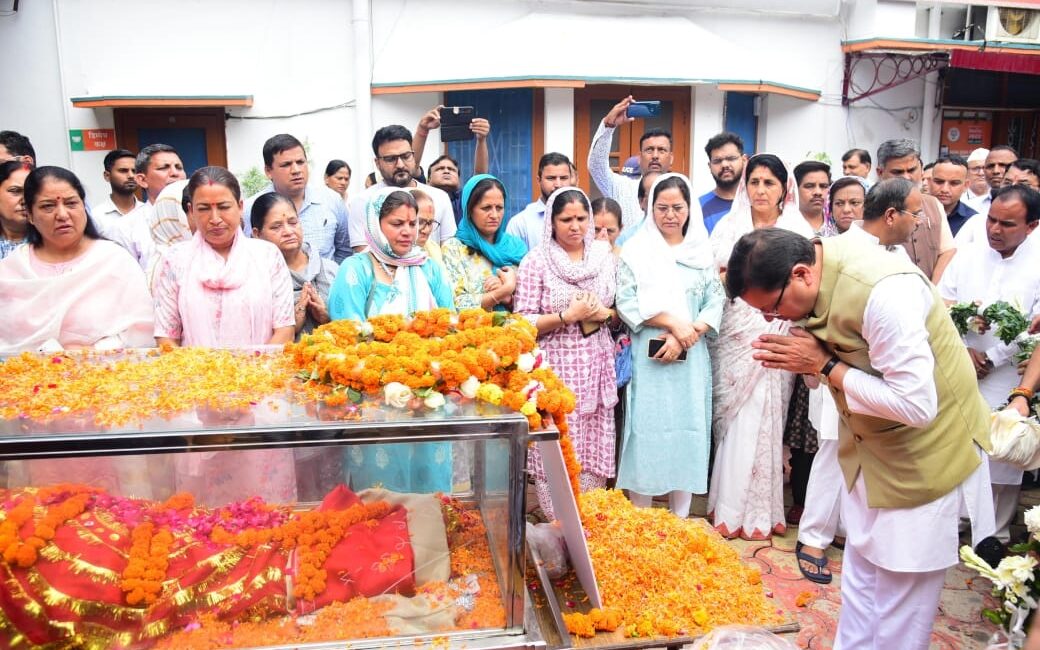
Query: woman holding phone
{"points": [[565, 287], [665, 449]]}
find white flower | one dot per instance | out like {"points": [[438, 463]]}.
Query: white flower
{"points": [[470, 386], [1016, 570], [1033, 521], [434, 400], [397, 394], [525, 362], [973, 561], [366, 329]]}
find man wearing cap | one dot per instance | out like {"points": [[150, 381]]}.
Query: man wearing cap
{"points": [[726, 163], [977, 185], [655, 155]]}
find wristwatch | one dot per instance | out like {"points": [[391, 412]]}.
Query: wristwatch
{"points": [[829, 366]]}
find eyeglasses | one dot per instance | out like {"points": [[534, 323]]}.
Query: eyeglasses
{"points": [[392, 160], [774, 312], [729, 159], [428, 223], [919, 215]]}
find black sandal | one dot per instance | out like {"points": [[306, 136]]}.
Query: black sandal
{"points": [[819, 577]]}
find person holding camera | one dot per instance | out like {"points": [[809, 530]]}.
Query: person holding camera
{"points": [[665, 449], [444, 172], [655, 155]]}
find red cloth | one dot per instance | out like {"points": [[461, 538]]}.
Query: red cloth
{"points": [[373, 558]]}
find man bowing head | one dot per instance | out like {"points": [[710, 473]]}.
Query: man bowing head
{"points": [[913, 424]]}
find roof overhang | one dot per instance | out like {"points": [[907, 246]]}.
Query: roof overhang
{"points": [[161, 101], [447, 85], [922, 45]]}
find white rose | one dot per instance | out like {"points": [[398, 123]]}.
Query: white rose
{"points": [[525, 362], [434, 400], [469, 387], [397, 394], [1033, 521]]}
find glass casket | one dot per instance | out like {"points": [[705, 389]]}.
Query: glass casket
{"points": [[285, 523]]}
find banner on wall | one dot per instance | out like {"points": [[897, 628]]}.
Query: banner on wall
{"points": [[962, 136]]}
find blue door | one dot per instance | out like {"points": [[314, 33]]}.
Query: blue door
{"points": [[190, 144], [741, 119], [510, 113]]}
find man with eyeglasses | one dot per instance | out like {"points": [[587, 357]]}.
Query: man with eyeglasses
{"points": [[977, 185], [395, 160], [912, 425], [655, 155], [948, 182], [726, 163], [1005, 270], [321, 211], [931, 244]]}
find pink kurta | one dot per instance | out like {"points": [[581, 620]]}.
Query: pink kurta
{"points": [[585, 364], [206, 301]]}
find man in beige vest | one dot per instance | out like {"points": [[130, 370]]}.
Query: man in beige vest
{"points": [[931, 244], [912, 422]]}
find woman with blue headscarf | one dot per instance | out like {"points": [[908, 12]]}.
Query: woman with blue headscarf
{"points": [[394, 276], [481, 258]]}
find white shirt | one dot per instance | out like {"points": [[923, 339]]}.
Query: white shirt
{"points": [[106, 215], [442, 212], [894, 328], [621, 188], [133, 233], [980, 274], [529, 224], [856, 232]]}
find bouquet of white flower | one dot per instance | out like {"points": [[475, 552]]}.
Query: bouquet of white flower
{"points": [[1015, 583]]}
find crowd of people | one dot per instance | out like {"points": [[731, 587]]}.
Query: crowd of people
{"points": [[677, 307]]}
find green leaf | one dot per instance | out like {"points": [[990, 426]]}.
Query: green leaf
{"points": [[354, 396], [423, 392], [1020, 548], [1009, 321], [993, 616], [498, 318]]}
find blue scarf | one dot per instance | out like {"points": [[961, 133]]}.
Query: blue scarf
{"points": [[507, 249]]}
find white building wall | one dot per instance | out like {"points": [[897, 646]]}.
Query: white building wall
{"points": [[708, 108], [559, 125], [31, 96]]}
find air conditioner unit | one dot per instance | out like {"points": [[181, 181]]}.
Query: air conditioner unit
{"points": [[1013, 25]]}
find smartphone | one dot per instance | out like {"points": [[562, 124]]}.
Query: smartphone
{"points": [[643, 109], [455, 123], [655, 346]]}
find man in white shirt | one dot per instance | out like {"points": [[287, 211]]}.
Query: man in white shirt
{"points": [[655, 155], [554, 171], [998, 162], [156, 166], [931, 245], [119, 174], [395, 160], [977, 185], [885, 224], [911, 419], [1005, 270]]}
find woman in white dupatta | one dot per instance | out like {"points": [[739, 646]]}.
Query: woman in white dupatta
{"points": [[746, 497]]}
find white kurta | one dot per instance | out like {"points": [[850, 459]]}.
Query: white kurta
{"points": [[894, 328], [979, 273]]}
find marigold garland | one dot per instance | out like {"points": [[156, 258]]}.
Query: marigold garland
{"points": [[146, 569], [61, 503]]}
